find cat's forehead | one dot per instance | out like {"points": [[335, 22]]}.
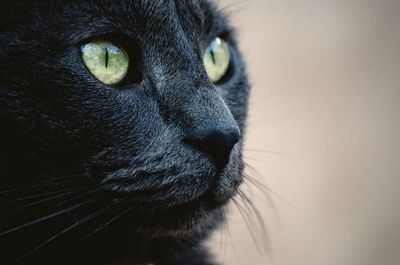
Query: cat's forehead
{"points": [[196, 17]]}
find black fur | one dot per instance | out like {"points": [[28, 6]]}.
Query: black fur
{"points": [[97, 174]]}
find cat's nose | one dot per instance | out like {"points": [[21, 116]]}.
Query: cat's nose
{"points": [[217, 142]]}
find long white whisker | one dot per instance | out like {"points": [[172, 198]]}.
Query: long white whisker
{"points": [[42, 219], [69, 228]]}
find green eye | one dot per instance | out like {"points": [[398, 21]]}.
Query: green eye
{"points": [[106, 61], [216, 59]]}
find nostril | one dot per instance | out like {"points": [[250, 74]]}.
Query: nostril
{"points": [[226, 140], [218, 144]]}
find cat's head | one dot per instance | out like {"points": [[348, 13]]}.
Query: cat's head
{"points": [[138, 106]]}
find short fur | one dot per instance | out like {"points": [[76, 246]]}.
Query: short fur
{"points": [[92, 174]]}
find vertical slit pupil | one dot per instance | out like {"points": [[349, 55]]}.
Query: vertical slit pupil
{"points": [[212, 56], [106, 57]]}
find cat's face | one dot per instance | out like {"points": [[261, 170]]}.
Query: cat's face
{"points": [[162, 140]]}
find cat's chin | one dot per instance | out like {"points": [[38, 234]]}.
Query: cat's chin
{"points": [[194, 217], [180, 220]]}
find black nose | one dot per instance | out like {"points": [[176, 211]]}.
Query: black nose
{"points": [[218, 143]]}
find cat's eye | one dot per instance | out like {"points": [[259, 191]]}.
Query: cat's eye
{"points": [[217, 59], [108, 62]]}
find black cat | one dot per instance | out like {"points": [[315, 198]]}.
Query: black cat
{"points": [[121, 130]]}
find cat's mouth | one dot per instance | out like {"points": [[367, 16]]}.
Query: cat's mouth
{"points": [[212, 194], [159, 214], [178, 220]]}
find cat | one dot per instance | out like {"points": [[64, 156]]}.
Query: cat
{"points": [[121, 130]]}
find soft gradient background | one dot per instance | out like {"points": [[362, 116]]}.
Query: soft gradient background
{"points": [[323, 133]]}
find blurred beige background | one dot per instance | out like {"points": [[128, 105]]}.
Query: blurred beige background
{"points": [[323, 132]]}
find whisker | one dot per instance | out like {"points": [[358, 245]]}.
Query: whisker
{"points": [[259, 184], [232, 8], [69, 228], [144, 221], [42, 195], [39, 202], [252, 159], [259, 217], [265, 152], [88, 191], [223, 222], [248, 224], [263, 189], [45, 218], [104, 225], [44, 183], [230, 237]]}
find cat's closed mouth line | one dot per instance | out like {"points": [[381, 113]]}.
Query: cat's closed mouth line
{"points": [[160, 196]]}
